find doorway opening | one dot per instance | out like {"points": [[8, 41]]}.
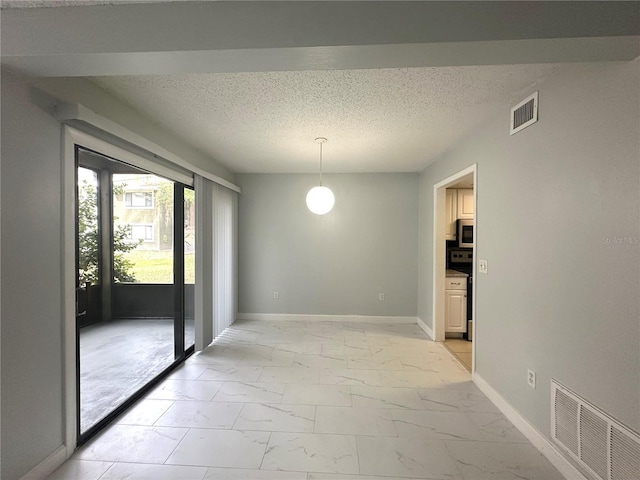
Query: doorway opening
{"points": [[455, 220], [135, 275]]}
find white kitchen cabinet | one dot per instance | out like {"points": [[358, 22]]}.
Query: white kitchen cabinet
{"points": [[455, 311], [465, 203], [451, 214], [455, 305]]}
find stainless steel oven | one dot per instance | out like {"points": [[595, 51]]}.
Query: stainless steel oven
{"points": [[466, 234]]}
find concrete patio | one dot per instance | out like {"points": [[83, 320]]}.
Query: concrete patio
{"points": [[118, 358]]}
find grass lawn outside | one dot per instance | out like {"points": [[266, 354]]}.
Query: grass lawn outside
{"points": [[157, 266]]}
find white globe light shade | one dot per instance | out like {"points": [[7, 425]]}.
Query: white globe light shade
{"points": [[320, 200]]}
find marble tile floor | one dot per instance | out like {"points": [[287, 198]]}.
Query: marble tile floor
{"points": [[313, 401], [461, 349]]}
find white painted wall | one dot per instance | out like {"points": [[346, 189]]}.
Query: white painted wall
{"points": [[335, 264], [31, 297], [559, 297]]}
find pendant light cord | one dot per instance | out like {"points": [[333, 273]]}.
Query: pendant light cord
{"points": [[321, 163], [321, 140]]}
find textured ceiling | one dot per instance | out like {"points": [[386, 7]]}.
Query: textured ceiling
{"points": [[376, 120], [392, 85]]}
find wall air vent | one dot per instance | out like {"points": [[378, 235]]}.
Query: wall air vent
{"points": [[524, 114], [604, 447]]}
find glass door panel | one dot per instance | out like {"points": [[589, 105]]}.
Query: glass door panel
{"points": [[142, 291], [132, 331]]}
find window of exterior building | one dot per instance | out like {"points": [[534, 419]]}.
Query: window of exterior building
{"points": [[138, 199], [141, 232]]}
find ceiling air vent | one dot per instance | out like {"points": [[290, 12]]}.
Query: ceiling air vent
{"points": [[524, 114], [603, 446]]}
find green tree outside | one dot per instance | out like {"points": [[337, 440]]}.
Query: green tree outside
{"points": [[89, 241]]}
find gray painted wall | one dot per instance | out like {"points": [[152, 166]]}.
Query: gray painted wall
{"points": [[335, 264], [31, 297], [559, 222], [568, 308]]}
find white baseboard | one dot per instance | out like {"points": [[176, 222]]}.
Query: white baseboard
{"points": [[542, 443], [48, 465], [425, 327], [323, 318]]}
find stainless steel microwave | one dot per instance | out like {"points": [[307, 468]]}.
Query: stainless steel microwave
{"points": [[466, 235]]}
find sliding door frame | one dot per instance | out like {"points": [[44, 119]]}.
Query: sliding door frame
{"points": [[72, 139], [178, 271]]}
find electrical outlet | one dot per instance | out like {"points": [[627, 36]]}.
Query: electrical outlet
{"points": [[531, 378], [483, 266], [276, 295], [381, 296]]}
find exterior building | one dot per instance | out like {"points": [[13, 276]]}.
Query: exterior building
{"points": [[142, 204]]}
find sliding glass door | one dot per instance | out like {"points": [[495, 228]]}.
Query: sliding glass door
{"points": [[135, 259]]}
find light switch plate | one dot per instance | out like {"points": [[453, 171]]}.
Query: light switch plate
{"points": [[483, 266]]}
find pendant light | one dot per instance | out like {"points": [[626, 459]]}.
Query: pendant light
{"points": [[320, 199]]}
